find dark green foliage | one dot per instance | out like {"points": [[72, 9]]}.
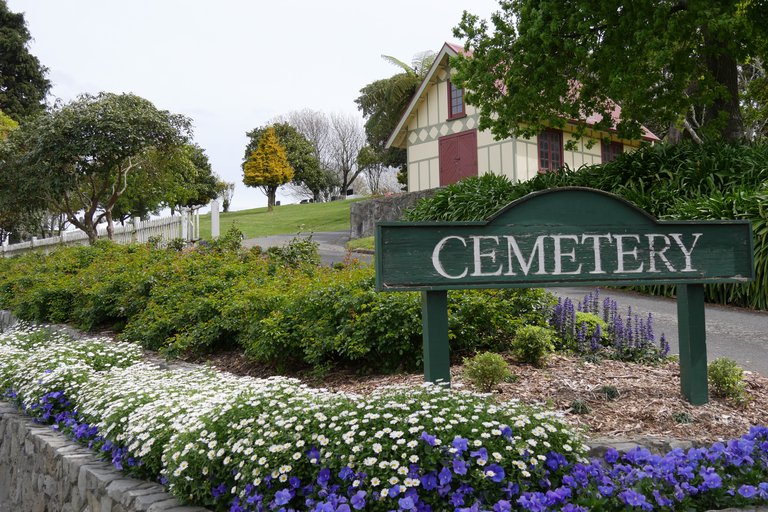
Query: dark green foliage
{"points": [[492, 318], [299, 252], [219, 296], [533, 344], [542, 63], [713, 181], [727, 379], [23, 85], [486, 370]]}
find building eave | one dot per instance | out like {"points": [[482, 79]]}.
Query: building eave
{"points": [[397, 138]]}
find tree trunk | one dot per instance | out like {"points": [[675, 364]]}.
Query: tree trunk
{"points": [[271, 193], [92, 232], [724, 112], [110, 225]]}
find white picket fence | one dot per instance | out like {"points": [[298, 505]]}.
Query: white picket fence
{"points": [[185, 226]]}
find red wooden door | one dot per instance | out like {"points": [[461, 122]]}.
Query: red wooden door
{"points": [[458, 157]]}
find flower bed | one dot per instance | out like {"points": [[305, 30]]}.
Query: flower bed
{"points": [[235, 443]]}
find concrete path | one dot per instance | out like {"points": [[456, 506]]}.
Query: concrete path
{"points": [[737, 333], [332, 245]]}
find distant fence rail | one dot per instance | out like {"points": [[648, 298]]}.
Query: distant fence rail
{"points": [[186, 226]]}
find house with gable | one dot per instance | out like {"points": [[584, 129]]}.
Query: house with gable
{"points": [[439, 132]]}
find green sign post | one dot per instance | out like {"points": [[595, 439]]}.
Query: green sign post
{"points": [[565, 237]]}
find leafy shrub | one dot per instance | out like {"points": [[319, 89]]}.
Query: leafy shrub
{"points": [[298, 253], [486, 370], [533, 344], [727, 379], [489, 319], [218, 297]]}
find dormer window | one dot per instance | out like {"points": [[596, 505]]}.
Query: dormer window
{"points": [[455, 101]]}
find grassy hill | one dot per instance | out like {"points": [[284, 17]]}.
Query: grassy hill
{"points": [[287, 219]]}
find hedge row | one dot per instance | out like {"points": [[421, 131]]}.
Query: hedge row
{"points": [[684, 181], [289, 316]]}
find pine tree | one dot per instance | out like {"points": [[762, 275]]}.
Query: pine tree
{"points": [[268, 167]]}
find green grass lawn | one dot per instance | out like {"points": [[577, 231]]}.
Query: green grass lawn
{"points": [[366, 243], [287, 219]]}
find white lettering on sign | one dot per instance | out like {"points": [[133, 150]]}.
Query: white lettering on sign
{"points": [[479, 255], [564, 254], [598, 269], [559, 254], [538, 248], [436, 257]]}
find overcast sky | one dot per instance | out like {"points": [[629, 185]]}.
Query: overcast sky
{"points": [[233, 65]]}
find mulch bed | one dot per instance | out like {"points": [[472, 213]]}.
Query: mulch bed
{"points": [[649, 402]]}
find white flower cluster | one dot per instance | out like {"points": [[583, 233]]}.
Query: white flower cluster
{"points": [[199, 428], [37, 361]]}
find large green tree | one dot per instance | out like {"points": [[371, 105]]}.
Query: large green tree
{"points": [[172, 177], [301, 154], [544, 62], [382, 102], [78, 158], [23, 85], [268, 167]]}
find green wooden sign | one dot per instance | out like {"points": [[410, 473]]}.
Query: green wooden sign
{"points": [[565, 237], [561, 237]]}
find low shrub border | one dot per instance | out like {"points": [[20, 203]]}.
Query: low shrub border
{"points": [[245, 444]]}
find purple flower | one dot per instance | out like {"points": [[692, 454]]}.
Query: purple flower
{"points": [[445, 476], [219, 490], [346, 473], [748, 491], [459, 467], [570, 507], [324, 477], [406, 503], [235, 507], [502, 506], [282, 497], [430, 440], [711, 479], [429, 481], [460, 443], [495, 473], [535, 502], [634, 499], [358, 500], [480, 453], [313, 454], [556, 460]]}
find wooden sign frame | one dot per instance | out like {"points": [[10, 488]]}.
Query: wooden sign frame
{"points": [[570, 236]]}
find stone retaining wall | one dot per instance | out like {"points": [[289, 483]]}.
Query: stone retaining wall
{"points": [[364, 215], [43, 471]]}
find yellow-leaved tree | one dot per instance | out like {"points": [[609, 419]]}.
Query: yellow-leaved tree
{"points": [[268, 167]]}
